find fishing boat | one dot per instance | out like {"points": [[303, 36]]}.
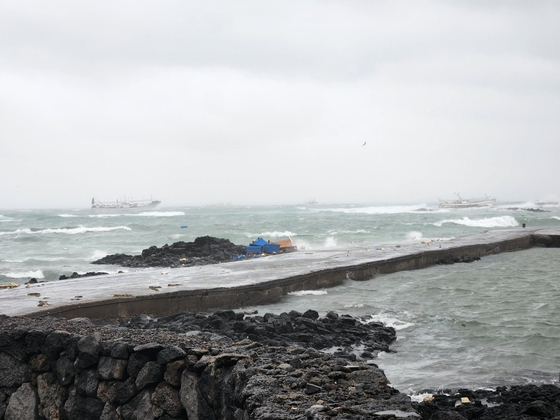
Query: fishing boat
{"points": [[124, 205], [462, 203]]}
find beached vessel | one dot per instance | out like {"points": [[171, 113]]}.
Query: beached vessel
{"points": [[462, 203], [124, 205]]}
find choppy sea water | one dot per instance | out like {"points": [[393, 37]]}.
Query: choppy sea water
{"points": [[489, 323]]}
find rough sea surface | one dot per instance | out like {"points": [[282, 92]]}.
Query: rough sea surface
{"points": [[492, 322]]}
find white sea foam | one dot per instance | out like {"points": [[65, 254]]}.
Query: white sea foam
{"points": [[354, 305], [67, 231], [419, 397], [144, 214], [38, 274], [308, 292], [390, 320], [330, 242], [414, 236], [499, 221], [67, 215], [556, 217], [383, 209], [275, 234], [351, 232], [97, 254]]}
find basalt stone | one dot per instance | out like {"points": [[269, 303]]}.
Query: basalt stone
{"points": [[173, 372], [39, 363], [35, 341], [65, 371], [57, 342], [140, 408], [23, 404], [310, 313], [12, 372], [150, 349], [136, 362], [120, 350], [168, 399], [192, 398], [52, 396], [87, 382], [151, 373], [122, 392], [111, 369], [75, 275], [170, 354], [109, 412], [80, 407]]}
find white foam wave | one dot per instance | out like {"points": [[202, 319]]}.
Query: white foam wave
{"points": [[419, 397], [351, 232], [414, 236], [67, 215], [381, 209], [390, 320], [67, 231], [275, 234], [330, 242], [144, 214], [160, 214], [556, 217], [308, 292], [38, 274], [97, 254], [499, 221]]}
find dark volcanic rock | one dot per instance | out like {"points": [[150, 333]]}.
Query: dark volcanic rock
{"points": [[204, 250], [282, 330], [518, 402], [75, 275], [450, 259]]}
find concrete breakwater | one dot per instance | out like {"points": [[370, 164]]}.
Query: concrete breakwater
{"points": [[57, 369], [246, 283]]}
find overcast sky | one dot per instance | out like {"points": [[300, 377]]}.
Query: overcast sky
{"points": [[257, 102]]}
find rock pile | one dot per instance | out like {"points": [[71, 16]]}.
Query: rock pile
{"points": [[517, 402], [450, 259], [341, 333], [204, 250]]}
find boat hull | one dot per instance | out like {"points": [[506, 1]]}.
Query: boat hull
{"points": [[124, 207]]}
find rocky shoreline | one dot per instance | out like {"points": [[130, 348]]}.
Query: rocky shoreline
{"points": [[225, 365], [204, 250]]}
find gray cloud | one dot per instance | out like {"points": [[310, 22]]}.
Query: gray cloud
{"points": [[186, 100]]}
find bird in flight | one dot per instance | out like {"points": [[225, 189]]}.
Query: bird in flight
{"points": [[364, 143]]}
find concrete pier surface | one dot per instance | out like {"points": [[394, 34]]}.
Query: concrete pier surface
{"points": [[163, 291]]}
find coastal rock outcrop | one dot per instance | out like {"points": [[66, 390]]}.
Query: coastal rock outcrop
{"points": [[54, 368], [204, 250], [342, 333]]}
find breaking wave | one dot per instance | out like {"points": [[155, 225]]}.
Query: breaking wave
{"points": [[144, 214], [67, 215], [500, 221], [38, 274], [308, 292], [275, 234], [67, 231], [382, 209], [389, 319]]}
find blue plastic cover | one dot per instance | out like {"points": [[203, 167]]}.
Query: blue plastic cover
{"points": [[260, 242]]}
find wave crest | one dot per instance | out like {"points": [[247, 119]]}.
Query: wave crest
{"points": [[67, 231], [499, 221]]}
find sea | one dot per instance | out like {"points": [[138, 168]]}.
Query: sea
{"points": [[485, 324]]}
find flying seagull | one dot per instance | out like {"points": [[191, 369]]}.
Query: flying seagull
{"points": [[364, 143]]}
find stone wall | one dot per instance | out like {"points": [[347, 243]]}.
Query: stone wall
{"points": [[72, 369]]}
